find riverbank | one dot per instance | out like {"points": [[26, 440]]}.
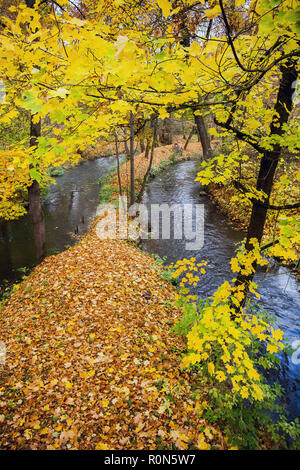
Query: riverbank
{"points": [[162, 158], [91, 362], [238, 215], [284, 192]]}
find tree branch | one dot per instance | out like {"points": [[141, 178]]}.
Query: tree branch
{"points": [[241, 135], [273, 207]]}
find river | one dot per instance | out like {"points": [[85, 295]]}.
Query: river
{"points": [[69, 207], [279, 289]]}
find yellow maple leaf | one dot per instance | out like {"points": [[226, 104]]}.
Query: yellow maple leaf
{"points": [[27, 434], [101, 446], [211, 368], [213, 12], [201, 444]]}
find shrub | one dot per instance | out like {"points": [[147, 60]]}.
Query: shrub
{"points": [[229, 353]]}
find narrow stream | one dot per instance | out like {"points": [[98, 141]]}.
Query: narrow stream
{"points": [[279, 289], [69, 207]]}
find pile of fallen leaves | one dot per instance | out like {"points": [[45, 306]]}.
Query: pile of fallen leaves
{"points": [[103, 149], [91, 362]]}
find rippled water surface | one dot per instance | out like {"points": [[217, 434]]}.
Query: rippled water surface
{"points": [[279, 289]]}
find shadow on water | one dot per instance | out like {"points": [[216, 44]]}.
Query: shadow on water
{"points": [[278, 288], [69, 207]]}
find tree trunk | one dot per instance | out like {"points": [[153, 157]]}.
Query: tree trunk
{"points": [[150, 162], [183, 130], [147, 149], [166, 132], [189, 138], [269, 164], [132, 189], [203, 136], [6, 260], [34, 200], [118, 164], [34, 192], [37, 219], [126, 147]]}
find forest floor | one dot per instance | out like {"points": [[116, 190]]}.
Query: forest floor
{"points": [[91, 361]]}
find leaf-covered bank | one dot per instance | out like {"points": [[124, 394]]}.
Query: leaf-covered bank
{"points": [[91, 362], [163, 156]]}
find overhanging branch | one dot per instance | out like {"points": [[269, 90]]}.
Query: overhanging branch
{"points": [[273, 207]]}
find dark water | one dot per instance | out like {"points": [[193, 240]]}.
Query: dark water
{"points": [[278, 288], [69, 208]]}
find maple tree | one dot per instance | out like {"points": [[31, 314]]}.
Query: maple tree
{"points": [[84, 71]]}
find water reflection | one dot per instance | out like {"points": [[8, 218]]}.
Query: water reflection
{"points": [[69, 208]]}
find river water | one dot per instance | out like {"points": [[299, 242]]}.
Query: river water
{"points": [[279, 289], [70, 206]]}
